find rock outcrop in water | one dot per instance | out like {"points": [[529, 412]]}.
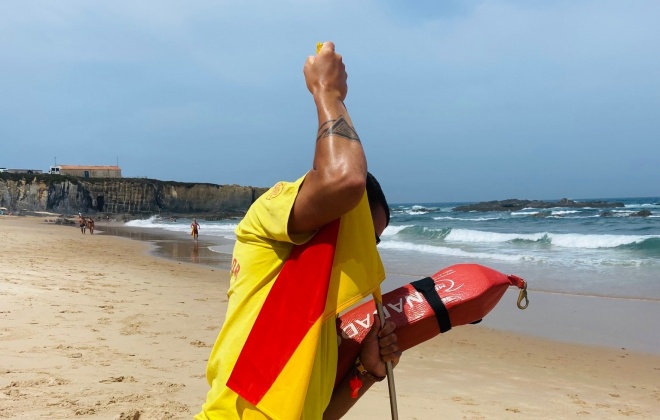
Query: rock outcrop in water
{"points": [[642, 213], [22, 193], [516, 205]]}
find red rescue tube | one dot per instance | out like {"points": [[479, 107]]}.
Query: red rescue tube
{"points": [[468, 291]]}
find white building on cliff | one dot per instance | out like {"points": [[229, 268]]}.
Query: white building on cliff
{"points": [[86, 171]]}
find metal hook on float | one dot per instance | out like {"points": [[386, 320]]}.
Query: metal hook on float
{"points": [[522, 285]]}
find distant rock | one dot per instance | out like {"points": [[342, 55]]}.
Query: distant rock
{"points": [[516, 205], [421, 209], [642, 213]]}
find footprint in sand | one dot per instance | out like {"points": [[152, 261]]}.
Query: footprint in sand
{"points": [[171, 387], [131, 415], [107, 308], [118, 379], [629, 412], [131, 329], [49, 381], [576, 399], [133, 325], [464, 401]]}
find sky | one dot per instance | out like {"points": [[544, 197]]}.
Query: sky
{"points": [[453, 100]]}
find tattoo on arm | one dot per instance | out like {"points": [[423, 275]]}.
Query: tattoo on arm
{"points": [[338, 127]]}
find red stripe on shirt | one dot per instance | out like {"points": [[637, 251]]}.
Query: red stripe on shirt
{"points": [[295, 302]]}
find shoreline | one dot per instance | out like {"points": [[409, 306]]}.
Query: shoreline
{"points": [[96, 326], [172, 246], [561, 317]]}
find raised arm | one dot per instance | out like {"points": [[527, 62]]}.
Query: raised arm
{"points": [[336, 182]]}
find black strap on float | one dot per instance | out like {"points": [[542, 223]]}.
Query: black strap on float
{"points": [[426, 287]]}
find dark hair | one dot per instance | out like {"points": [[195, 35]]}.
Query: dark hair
{"points": [[376, 196]]}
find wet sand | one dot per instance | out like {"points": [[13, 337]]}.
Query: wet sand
{"points": [[590, 320], [98, 327], [171, 245], [556, 316]]}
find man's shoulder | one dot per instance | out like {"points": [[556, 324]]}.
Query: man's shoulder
{"points": [[268, 216], [282, 189]]}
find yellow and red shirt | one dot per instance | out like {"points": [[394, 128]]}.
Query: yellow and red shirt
{"points": [[263, 245]]}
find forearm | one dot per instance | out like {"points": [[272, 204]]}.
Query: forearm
{"points": [[379, 347], [341, 400], [339, 159], [337, 180]]}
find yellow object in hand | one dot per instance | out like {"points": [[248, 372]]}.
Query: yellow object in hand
{"points": [[318, 47]]}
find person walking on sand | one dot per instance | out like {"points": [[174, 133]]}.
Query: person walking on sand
{"points": [[195, 229], [301, 220], [90, 225], [82, 223]]}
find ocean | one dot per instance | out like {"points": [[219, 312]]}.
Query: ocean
{"points": [[562, 250]]}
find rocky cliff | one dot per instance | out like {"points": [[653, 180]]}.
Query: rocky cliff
{"points": [[22, 193]]}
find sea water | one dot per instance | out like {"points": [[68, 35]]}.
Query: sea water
{"points": [[578, 250]]}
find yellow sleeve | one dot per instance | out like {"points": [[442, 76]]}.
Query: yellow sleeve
{"points": [[268, 217]]}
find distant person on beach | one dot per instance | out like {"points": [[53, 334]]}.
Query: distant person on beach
{"points": [[90, 225], [195, 229], [284, 220], [82, 223]]}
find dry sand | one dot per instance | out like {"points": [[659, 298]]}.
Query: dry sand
{"points": [[94, 327]]}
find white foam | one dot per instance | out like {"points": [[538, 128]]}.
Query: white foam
{"points": [[150, 222], [439, 250], [393, 230], [223, 229], [476, 219], [524, 213], [572, 240], [478, 236], [560, 212], [565, 240], [575, 217], [645, 205]]}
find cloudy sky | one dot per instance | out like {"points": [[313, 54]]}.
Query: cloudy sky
{"points": [[453, 100]]}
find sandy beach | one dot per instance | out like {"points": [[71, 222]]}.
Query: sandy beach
{"points": [[96, 327]]}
